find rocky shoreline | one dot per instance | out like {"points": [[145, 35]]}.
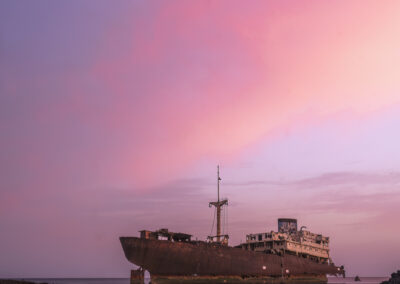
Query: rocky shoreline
{"points": [[10, 281], [394, 279]]}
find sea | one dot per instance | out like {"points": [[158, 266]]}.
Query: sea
{"points": [[333, 280]]}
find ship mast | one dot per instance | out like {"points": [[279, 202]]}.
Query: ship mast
{"points": [[218, 205]]}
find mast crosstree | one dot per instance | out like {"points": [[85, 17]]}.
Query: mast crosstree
{"points": [[218, 206]]}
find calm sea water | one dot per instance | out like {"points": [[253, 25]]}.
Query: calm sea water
{"points": [[369, 280], [333, 280]]}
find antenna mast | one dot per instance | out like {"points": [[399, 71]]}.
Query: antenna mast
{"points": [[218, 179], [218, 205]]}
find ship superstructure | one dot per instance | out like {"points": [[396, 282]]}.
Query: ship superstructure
{"points": [[289, 240]]}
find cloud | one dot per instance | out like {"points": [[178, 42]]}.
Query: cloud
{"points": [[346, 178]]}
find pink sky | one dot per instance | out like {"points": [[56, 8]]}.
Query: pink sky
{"points": [[113, 117]]}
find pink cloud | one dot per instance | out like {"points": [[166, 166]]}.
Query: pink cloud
{"points": [[208, 80]]}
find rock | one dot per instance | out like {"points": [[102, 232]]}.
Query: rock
{"points": [[10, 281], [394, 279]]}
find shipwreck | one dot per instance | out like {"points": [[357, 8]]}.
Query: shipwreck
{"points": [[289, 255]]}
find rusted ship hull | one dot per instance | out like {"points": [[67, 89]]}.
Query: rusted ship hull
{"points": [[306, 279], [199, 260]]}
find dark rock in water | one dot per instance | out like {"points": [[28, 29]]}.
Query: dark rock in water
{"points": [[357, 278], [394, 279], [9, 281]]}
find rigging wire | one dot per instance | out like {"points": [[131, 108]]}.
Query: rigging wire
{"points": [[212, 227], [227, 220], [223, 222]]}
